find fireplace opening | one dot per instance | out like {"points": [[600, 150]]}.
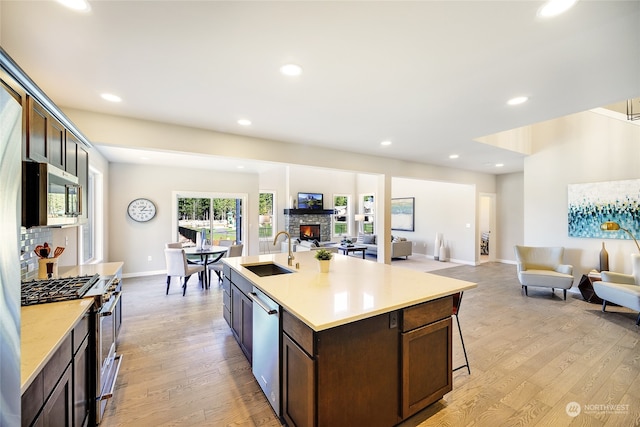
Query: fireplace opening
{"points": [[309, 231]]}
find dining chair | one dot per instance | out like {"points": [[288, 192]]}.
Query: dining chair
{"points": [[225, 242], [234, 250], [177, 266], [457, 300]]}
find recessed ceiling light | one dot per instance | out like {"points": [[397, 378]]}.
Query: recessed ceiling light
{"points": [[77, 5], [291, 70], [453, 156], [111, 97], [555, 7], [244, 122], [518, 100], [387, 142], [144, 158], [499, 165], [240, 167]]}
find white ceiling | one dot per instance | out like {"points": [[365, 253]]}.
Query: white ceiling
{"points": [[429, 75]]}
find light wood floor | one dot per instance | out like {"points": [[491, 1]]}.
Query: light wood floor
{"points": [[530, 357]]}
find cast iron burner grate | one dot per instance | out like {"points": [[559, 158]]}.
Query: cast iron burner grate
{"points": [[54, 290]]}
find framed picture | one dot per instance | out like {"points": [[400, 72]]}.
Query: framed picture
{"points": [[402, 214], [592, 204]]}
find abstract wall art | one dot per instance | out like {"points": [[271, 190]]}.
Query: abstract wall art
{"points": [[594, 203], [402, 214]]}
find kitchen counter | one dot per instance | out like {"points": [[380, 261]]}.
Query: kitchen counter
{"points": [[103, 269], [351, 291], [43, 327]]}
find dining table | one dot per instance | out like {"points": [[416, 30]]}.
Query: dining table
{"points": [[205, 252]]}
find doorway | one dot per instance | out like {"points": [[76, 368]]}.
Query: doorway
{"points": [[486, 227]]}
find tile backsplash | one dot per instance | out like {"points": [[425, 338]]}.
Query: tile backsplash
{"points": [[29, 239]]}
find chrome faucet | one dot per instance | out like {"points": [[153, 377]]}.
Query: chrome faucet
{"points": [[290, 258]]}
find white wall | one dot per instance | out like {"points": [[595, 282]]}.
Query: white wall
{"points": [[509, 215], [440, 207], [581, 148], [132, 242]]}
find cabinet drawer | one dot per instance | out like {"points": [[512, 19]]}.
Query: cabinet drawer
{"points": [[226, 271], [226, 300], [241, 283], [226, 285], [57, 365], [298, 331], [427, 312]]}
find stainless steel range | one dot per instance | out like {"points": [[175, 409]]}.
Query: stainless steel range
{"points": [[106, 320]]}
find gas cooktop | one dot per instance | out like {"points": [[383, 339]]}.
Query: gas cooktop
{"points": [[54, 290]]}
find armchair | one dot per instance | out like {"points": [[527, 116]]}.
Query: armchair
{"points": [[542, 266], [621, 289]]}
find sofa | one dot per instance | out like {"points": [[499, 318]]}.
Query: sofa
{"points": [[621, 289], [542, 266], [307, 245], [400, 246]]}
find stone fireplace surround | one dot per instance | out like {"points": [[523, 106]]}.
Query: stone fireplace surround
{"points": [[294, 217]]}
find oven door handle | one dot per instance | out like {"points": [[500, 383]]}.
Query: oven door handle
{"points": [[114, 377], [114, 301]]}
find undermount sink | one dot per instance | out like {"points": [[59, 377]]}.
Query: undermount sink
{"points": [[266, 269]]}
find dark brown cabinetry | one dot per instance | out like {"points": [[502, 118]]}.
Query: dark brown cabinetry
{"points": [[82, 162], [60, 395], [48, 400], [71, 162], [242, 313], [57, 143], [426, 354], [46, 137], [37, 139]]}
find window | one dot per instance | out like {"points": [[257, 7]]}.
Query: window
{"points": [[90, 233], [267, 215], [219, 217], [368, 210], [342, 213]]}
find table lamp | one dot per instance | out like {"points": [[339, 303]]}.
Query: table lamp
{"points": [[614, 226]]}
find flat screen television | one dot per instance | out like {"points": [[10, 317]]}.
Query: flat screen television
{"points": [[310, 201]]}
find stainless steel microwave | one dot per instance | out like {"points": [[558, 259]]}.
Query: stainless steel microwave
{"points": [[50, 196]]}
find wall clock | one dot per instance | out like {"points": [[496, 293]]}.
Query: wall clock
{"points": [[141, 210]]}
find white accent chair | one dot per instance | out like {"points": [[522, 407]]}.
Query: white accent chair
{"points": [[542, 266], [234, 250], [621, 289], [177, 266]]}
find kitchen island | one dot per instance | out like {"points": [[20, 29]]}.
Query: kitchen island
{"points": [[365, 344]]}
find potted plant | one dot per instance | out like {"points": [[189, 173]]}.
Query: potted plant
{"points": [[324, 258]]}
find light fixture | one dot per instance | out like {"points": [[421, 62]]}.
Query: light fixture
{"points": [[359, 218], [518, 100], [77, 5], [385, 143], [453, 156], [240, 167], [244, 122], [291, 70], [614, 226], [631, 114], [499, 165], [111, 97], [555, 7]]}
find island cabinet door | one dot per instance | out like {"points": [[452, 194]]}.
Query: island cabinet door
{"points": [[298, 385], [426, 366], [242, 321], [358, 373]]}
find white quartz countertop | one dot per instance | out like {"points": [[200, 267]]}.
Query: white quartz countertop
{"points": [[354, 288]]}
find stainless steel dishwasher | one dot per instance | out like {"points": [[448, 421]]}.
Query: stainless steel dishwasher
{"points": [[266, 339]]}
